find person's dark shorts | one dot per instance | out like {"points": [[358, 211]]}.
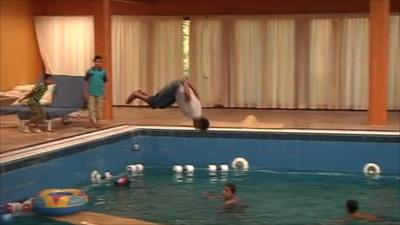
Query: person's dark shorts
{"points": [[166, 96]]}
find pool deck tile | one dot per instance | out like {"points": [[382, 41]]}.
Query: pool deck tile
{"points": [[11, 138], [92, 218]]}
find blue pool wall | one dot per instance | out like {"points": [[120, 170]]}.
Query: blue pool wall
{"points": [[72, 167]]}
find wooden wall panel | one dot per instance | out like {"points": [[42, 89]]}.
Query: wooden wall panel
{"points": [[235, 7], [20, 61], [204, 7]]}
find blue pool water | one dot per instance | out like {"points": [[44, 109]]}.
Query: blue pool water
{"points": [[296, 177], [273, 197]]}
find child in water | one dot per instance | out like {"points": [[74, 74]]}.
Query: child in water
{"points": [[231, 200]]}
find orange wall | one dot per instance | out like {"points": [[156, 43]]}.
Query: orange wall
{"points": [[20, 62]]}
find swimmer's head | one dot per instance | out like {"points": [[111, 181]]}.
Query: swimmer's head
{"points": [[352, 206], [229, 190], [201, 123]]}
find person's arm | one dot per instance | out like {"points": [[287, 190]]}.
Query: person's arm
{"points": [[105, 79], [212, 196], [30, 94], [27, 96], [86, 91], [186, 91], [191, 86]]}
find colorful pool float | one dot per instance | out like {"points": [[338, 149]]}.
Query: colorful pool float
{"points": [[60, 202]]}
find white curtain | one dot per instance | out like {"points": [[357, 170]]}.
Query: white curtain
{"points": [[278, 86], [321, 76], [255, 61], [246, 63], [129, 43], [207, 63], [146, 54], [167, 58], [394, 64], [354, 64], [66, 44]]}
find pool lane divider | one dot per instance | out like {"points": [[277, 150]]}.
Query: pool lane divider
{"points": [[59, 145]]}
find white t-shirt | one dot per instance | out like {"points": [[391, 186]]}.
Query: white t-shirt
{"points": [[192, 108]]}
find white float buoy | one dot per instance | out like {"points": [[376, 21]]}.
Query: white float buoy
{"points": [[13, 207], [372, 169], [136, 147], [131, 168], [95, 176], [94, 173], [189, 168], [240, 163], [178, 168], [98, 177], [212, 168], [108, 175], [27, 205], [224, 167], [139, 167]]}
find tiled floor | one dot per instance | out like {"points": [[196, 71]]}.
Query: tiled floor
{"points": [[11, 138]]}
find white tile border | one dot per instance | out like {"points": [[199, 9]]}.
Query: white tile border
{"points": [[53, 146]]}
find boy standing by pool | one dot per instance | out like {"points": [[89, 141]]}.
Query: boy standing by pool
{"points": [[95, 78], [37, 113]]}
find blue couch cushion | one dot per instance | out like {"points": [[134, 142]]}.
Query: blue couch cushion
{"points": [[69, 97], [69, 92]]}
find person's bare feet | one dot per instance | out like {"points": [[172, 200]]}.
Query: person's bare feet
{"points": [[93, 122], [99, 124], [131, 98], [142, 92]]}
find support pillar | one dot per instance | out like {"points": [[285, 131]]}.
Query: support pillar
{"points": [[379, 61], [102, 30]]}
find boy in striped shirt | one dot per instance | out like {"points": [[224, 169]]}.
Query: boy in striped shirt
{"points": [[37, 113]]}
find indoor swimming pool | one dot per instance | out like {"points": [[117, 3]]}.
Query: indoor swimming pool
{"points": [[295, 177], [272, 197]]}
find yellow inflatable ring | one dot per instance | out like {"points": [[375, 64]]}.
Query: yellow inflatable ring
{"points": [[59, 202]]}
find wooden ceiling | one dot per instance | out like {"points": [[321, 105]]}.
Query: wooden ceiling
{"points": [[235, 7], [206, 7]]}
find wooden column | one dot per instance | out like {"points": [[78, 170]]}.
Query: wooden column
{"points": [[379, 61], [102, 30]]}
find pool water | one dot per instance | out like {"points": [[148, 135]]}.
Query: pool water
{"points": [[273, 197]]}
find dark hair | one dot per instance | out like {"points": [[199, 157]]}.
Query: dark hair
{"points": [[203, 123], [96, 57], [232, 187], [47, 76], [352, 206]]}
